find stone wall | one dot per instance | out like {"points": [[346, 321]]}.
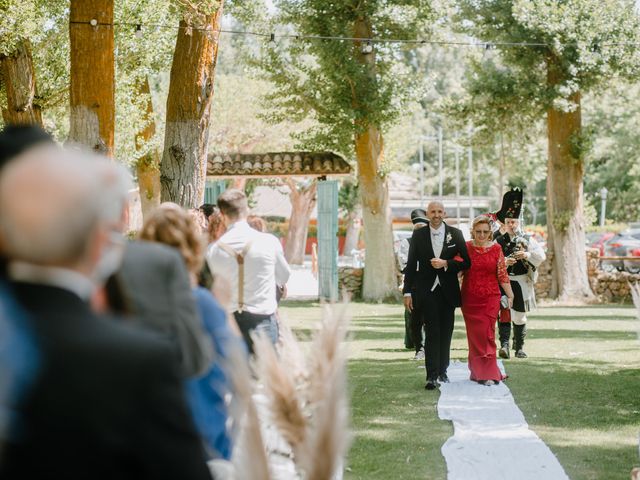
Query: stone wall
{"points": [[543, 285], [607, 286], [613, 286], [350, 280]]}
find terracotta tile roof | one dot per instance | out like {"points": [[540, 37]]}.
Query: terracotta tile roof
{"points": [[277, 164]]}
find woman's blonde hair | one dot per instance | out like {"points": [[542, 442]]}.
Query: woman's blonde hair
{"points": [[481, 219], [174, 226]]}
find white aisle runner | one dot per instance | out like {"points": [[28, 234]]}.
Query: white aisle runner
{"points": [[491, 438]]}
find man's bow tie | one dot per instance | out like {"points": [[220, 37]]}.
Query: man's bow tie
{"points": [[435, 234]]}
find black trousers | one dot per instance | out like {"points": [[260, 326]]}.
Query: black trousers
{"points": [[437, 316], [414, 337]]}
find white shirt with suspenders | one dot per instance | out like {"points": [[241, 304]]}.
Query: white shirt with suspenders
{"points": [[257, 257]]}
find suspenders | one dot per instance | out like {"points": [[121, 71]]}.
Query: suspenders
{"points": [[239, 256]]}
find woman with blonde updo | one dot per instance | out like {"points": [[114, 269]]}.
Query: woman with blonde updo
{"points": [[481, 300], [172, 225]]}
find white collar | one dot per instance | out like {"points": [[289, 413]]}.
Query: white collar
{"points": [[241, 224], [59, 277], [440, 229]]}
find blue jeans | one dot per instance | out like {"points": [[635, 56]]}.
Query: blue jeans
{"points": [[250, 322]]}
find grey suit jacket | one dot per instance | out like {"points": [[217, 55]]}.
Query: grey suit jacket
{"points": [[156, 284]]}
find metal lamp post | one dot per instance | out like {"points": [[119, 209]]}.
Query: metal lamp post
{"points": [[603, 204], [429, 138]]}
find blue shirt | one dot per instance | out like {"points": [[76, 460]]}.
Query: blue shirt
{"points": [[205, 394]]}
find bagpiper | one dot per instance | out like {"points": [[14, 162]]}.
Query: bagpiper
{"points": [[523, 255]]}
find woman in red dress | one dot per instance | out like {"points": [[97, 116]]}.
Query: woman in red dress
{"points": [[481, 300]]}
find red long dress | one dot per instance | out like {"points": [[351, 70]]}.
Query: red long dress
{"points": [[480, 306]]}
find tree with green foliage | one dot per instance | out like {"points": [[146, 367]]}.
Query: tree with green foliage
{"points": [[144, 53], [614, 118], [353, 88], [576, 46], [20, 25]]}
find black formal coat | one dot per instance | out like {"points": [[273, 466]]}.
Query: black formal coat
{"points": [[107, 401], [420, 275]]}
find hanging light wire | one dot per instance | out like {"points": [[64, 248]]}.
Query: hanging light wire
{"points": [[272, 36]]}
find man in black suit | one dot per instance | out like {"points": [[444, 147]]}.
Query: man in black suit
{"points": [[436, 255], [106, 400]]}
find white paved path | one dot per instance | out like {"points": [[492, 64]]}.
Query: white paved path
{"points": [[491, 438]]}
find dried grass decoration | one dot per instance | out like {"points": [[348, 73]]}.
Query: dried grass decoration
{"points": [[307, 395]]}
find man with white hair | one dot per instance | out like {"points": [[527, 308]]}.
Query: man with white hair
{"points": [[107, 400]]}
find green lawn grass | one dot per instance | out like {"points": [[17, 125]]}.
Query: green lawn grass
{"points": [[579, 391]]}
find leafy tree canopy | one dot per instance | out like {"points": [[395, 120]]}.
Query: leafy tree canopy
{"points": [[614, 162], [578, 44], [324, 80]]}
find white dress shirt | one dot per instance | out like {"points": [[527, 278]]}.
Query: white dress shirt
{"points": [[264, 267], [437, 242]]}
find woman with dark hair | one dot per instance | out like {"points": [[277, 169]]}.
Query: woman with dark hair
{"points": [[481, 300]]}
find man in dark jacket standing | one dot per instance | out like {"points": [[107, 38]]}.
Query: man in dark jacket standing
{"points": [[107, 399], [436, 255]]}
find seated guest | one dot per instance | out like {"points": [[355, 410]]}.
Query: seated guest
{"points": [[257, 223], [175, 227], [215, 229], [157, 290], [207, 210], [16, 139], [216, 224], [107, 401]]}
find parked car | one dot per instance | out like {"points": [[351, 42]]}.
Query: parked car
{"points": [[598, 239], [621, 245], [633, 266]]}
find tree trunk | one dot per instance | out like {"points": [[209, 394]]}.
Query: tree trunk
{"points": [[20, 86], [380, 280], [92, 89], [354, 224], [148, 166], [184, 159], [303, 199], [565, 219]]}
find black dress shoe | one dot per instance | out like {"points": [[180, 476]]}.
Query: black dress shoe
{"points": [[431, 385], [443, 378]]}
